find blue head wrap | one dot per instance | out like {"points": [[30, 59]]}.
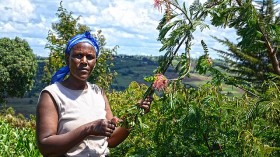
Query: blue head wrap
{"points": [[86, 38]]}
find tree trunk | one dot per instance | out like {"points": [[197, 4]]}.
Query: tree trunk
{"points": [[275, 62], [271, 52]]}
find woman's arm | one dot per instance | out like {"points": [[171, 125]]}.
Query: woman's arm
{"points": [[52, 144], [120, 133], [118, 136]]}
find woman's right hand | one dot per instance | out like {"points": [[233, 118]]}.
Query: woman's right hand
{"points": [[102, 127]]}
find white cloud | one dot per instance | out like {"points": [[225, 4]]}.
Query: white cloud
{"points": [[88, 20], [83, 7], [7, 27], [133, 15], [14, 10]]}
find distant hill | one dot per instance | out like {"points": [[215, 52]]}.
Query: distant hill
{"points": [[135, 68], [132, 68]]}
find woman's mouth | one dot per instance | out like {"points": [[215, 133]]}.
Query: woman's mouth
{"points": [[84, 70]]}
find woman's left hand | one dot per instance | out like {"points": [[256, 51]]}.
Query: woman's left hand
{"points": [[146, 104]]}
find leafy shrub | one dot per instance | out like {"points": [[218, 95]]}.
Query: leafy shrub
{"points": [[17, 141], [201, 122]]}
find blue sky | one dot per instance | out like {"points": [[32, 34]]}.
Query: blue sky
{"points": [[131, 24]]}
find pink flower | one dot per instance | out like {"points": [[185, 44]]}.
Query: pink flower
{"points": [[157, 4], [167, 4], [160, 82]]}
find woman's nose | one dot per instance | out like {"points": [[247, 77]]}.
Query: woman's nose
{"points": [[84, 59]]}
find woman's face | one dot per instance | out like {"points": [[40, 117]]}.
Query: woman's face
{"points": [[81, 61]]}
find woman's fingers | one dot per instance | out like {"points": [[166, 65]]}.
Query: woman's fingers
{"points": [[146, 104], [110, 128], [103, 127]]}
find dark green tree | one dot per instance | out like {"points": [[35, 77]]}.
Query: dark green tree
{"points": [[61, 32], [255, 57], [18, 67]]}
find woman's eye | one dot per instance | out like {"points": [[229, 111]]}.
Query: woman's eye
{"points": [[78, 56], [90, 57]]}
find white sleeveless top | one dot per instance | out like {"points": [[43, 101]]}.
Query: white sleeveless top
{"points": [[78, 107]]}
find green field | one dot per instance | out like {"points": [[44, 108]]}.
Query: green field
{"points": [[25, 106]]}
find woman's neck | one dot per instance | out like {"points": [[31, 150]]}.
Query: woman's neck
{"points": [[74, 84]]}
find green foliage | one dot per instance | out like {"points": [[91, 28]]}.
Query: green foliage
{"points": [[128, 108], [17, 67], [176, 30], [39, 84], [255, 54], [17, 142], [17, 135], [122, 104], [201, 122]]}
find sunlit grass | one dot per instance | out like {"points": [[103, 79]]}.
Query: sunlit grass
{"points": [[17, 136]]}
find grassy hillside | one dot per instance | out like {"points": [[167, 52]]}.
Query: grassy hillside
{"points": [[135, 68], [132, 68]]}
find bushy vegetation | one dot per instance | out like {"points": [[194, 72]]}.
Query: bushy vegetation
{"points": [[17, 135], [202, 122]]}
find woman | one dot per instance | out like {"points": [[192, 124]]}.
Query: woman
{"points": [[73, 116]]}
